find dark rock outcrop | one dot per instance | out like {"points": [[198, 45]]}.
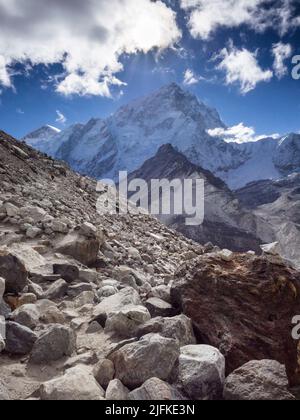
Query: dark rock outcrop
{"points": [[244, 307]]}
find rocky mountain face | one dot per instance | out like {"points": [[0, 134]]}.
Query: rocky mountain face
{"points": [[124, 141], [98, 306], [278, 203], [226, 223]]}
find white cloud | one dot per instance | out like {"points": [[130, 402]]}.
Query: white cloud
{"points": [[242, 68], [87, 38], [60, 117], [281, 53], [206, 16], [239, 134], [190, 78]]}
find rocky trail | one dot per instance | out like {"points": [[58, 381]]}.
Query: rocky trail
{"points": [[96, 307]]}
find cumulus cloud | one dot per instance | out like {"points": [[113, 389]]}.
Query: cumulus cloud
{"points": [[190, 78], [87, 38], [241, 67], [206, 16], [281, 53], [239, 134], [60, 117]]}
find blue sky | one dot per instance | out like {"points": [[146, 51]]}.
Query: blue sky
{"points": [[227, 59]]}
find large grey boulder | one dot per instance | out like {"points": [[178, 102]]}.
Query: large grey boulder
{"points": [[77, 384], [55, 343], [152, 356], [68, 272], [118, 301], [126, 321], [83, 249], [156, 390], [13, 271], [201, 372], [179, 328], [19, 339], [258, 380]]}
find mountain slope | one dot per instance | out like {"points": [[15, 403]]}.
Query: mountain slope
{"points": [[102, 148], [279, 204], [226, 224]]}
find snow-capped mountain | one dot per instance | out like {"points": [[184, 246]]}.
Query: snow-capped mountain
{"points": [[124, 141], [39, 138]]}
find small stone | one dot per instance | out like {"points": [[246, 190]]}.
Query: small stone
{"points": [[27, 298], [226, 255]]}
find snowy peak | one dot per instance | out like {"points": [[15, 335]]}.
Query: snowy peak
{"points": [[45, 132]]}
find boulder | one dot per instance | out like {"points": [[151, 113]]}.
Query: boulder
{"points": [[152, 356], [158, 307], [179, 328], [88, 230], [84, 250], [77, 384], [258, 380], [126, 321], [251, 302], [11, 210], [36, 214], [19, 339], [66, 271], [13, 271], [55, 343], [162, 292], [77, 289], [201, 372], [156, 390], [116, 391], [4, 394], [104, 372], [57, 290], [125, 297], [27, 315]]}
